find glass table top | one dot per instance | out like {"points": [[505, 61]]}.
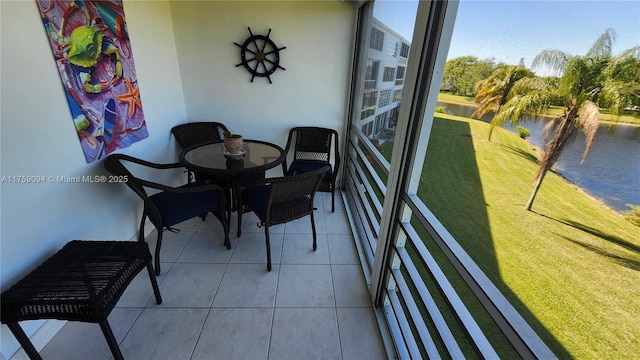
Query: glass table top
{"points": [[212, 157]]}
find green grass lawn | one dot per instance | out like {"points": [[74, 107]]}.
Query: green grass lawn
{"points": [[571, 265]]}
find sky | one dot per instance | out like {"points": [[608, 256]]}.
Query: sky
{"points": [[508, 30]]}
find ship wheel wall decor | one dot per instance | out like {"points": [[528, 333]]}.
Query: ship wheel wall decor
{"points": [[260, 55]]}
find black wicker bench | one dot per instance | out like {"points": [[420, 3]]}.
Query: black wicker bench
{"points": [[81, 282]]}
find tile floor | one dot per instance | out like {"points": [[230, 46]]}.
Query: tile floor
{"points": [[223, 304]]}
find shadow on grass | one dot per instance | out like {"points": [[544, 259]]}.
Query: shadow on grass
{"points": [[604, 236], [616, 240], [596, 232], [526, 155], [529, 157], [452, 189], [620, 260]]}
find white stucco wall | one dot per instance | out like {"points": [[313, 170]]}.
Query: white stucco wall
{"points": [[312, 91], [38, 138]]}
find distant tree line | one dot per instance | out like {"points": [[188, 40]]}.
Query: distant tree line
{"points": [[462, 73]]}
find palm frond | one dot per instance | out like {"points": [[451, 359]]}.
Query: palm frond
{"points": [[588, 120], [555, 60], [633, 53], [492, 92], [603, 47], [518, 107], [557, 134], [534, 83], [547, 130], [484, 107]]}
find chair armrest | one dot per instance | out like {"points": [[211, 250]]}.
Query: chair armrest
{"points": [[266, 181], [148, 163], [155, 185]]}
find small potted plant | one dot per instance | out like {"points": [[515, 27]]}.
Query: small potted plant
{"points": [[233, 143]]}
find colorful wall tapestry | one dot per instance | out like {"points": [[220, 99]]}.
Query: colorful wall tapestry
{"points": [[91, 48]]}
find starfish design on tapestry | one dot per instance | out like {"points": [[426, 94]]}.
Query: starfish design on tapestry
{"points": [[132, 96]]}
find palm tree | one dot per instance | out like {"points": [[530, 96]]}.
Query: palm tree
{"points": [[586, 83], [492, 92]]}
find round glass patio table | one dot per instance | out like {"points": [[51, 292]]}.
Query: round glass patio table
{"points": [[211, 158]]}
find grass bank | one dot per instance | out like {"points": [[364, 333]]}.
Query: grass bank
{"points": [[604, 116], [571, 266]]}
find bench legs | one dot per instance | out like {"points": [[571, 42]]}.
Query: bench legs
{"points": [[31, 351], [24, 341], [111, 340], [154, 283]]}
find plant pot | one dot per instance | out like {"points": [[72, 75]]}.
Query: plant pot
{"points": [[233, 145]]}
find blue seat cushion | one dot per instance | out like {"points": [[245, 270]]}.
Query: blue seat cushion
{"points": [[178, 207], [256, 198], [302, 166]]}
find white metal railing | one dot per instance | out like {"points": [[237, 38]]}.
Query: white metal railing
{"points": [[409, 301]]}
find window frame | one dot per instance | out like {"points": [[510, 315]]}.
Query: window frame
{"points": [[381, 211]]}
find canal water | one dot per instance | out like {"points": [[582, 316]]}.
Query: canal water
{"points": [[611, 171]]}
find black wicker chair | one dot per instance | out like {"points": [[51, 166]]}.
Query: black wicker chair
{"points": [[312, 149], [280, 200], [189, 134], [172, 205]]}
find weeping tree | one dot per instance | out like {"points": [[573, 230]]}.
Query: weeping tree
{"points": [[586, 84], [492, 92]]}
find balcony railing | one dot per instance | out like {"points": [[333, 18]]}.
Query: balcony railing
{"points": [[437, 302]]}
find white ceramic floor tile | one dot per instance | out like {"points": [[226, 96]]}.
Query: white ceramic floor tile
{"points": [[337, 223], [140, 290], [79, 340], [250, 225], [172, 244], [212, 223], [122, 319], [247, 285], [342, 250], [318, 203], [164, 333], [359, 336], [305, 286], [252, 248], [223, 304], [305, 333], [303, 225], [76, 340], [192, 224], [349, 286], [206, 247], [233, 333], [298, 249], [326, 200], [190, 285]]}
